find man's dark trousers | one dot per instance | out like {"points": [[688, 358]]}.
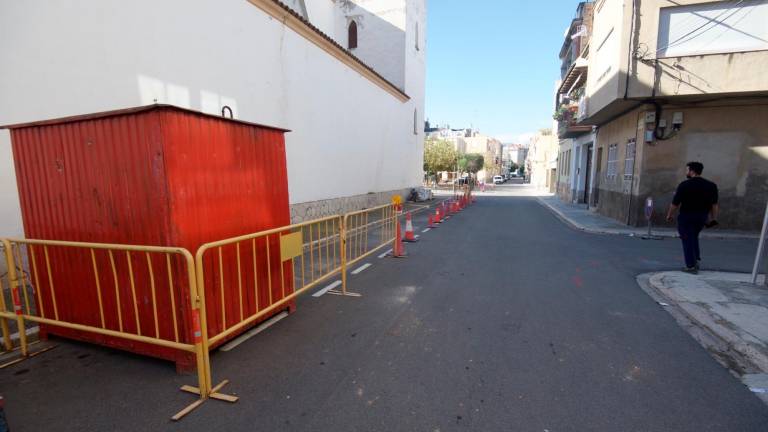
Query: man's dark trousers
{"points": [[689, 225]]}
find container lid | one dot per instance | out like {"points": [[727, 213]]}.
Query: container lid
{"points": [[133, 110]]}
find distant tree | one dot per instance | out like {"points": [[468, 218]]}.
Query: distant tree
{"points": [[439, 155], [471, 162], [514, 167]]}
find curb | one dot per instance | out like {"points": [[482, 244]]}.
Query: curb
{"points": [[638, 233], [746, 357], [575, 225]]}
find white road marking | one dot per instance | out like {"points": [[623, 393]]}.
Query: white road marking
{"points": [[361, 268], [265, 325], [385, 253], [326, 289], [425, 230]]}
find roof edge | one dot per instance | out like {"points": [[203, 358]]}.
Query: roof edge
{"points": [[133, 110], [297, 23]]}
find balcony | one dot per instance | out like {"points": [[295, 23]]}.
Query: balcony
{"points": [[582, 109], [567, 117]]}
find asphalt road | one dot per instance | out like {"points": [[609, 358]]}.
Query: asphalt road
{"points": [[502, 319]]}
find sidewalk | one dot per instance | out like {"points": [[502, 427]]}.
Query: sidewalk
{"points": [[581, 218], [725, 313]]}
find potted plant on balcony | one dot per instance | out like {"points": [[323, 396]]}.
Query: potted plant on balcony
{"points": [[562, 113]]}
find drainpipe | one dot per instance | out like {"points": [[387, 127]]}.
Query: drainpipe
{"points": [[592, 168], [640, 141]]}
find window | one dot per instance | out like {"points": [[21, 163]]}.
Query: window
{"points": [[352, 35], [717, 27], [613, 156], [565, 163], [417, 36], [629, 159], [415, 122]]}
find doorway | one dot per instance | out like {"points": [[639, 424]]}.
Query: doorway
{"points": [[598, 176], [588, 174]]}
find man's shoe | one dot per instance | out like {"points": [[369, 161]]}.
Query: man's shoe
{"points": [[698, 265], [691, 270]]}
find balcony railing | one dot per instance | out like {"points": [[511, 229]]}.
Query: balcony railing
{"points": [[582, 109], [568, 117]]}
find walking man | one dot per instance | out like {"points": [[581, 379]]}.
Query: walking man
{"points": [[696, 198]]}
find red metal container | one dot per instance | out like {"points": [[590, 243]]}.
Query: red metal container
{"points": [[155, 175]]}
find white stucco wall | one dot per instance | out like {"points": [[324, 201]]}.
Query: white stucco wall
{"points": [[605, 66], [327, 16], [63, 58], [381, 36]]}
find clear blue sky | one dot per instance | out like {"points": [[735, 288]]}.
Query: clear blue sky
{"points": [[493, 63]]}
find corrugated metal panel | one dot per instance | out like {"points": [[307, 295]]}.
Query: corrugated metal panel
{"points": [[161, 176], [226, 180]]}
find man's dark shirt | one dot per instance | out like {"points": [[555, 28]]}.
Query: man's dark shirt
{"points": [[696, 195]]}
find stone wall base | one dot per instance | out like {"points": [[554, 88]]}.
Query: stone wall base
{"points": [[307, 211]]}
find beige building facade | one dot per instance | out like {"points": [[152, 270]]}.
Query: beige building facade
{"points": [[541, 161], [576, 140], [491, 149], [670, 82]]}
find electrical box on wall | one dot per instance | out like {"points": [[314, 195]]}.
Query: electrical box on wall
{"points": [[650, 117], [677, 120], [649, 136]]}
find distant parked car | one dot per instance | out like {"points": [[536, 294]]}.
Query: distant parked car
{"points": [[514, 175], [498, 179]]}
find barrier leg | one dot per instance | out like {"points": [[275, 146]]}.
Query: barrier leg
{"points": [[7, 343], [344, 291], [22, 328], [20, 323], [202, 348], [14, 282], [343, 235]]}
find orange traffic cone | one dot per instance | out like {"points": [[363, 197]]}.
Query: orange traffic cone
{"points": [[429, 221], [398, 251], [409, 235], [437, 215]]}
